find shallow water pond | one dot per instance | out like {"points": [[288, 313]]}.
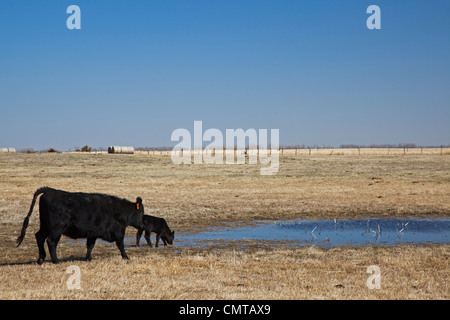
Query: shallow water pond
{"points": [[330, 233]]}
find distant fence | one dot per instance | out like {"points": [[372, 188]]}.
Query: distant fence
{"points": [[330, 152], [368, 151]]}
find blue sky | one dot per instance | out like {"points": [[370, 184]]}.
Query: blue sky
{"points": [[137, 70]]}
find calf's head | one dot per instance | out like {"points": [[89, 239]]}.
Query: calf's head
{"points": [[169, 237]]}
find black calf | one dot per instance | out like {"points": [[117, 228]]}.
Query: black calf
{"points": [[157, 225]]}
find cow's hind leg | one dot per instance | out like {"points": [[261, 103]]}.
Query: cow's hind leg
{"points": [[41, 235], [90, 245], [52, 242]]}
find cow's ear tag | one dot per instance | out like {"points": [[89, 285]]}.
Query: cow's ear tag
{"points": [[137, 206]]}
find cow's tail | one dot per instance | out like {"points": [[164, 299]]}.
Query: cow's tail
{"points": [[25, 222]]}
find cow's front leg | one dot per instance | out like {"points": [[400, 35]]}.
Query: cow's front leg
{"points": [[90, 245], [121, 247]]}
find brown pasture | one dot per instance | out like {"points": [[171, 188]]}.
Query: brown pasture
{"points": [[191, 197]]}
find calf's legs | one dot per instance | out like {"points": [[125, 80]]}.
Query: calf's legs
{"points": [[146, 235], [147, 238]]}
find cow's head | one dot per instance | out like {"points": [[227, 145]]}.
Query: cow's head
{"points": [[137, 214]]}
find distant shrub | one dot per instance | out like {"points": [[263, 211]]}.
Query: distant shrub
{"points": [[52, 150], [86, 148]]}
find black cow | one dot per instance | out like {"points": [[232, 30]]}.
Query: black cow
{"points": [[157, 225], [82, 215]]}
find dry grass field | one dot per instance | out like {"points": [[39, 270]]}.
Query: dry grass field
{"points": [[191, 197], [313, 273]]}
